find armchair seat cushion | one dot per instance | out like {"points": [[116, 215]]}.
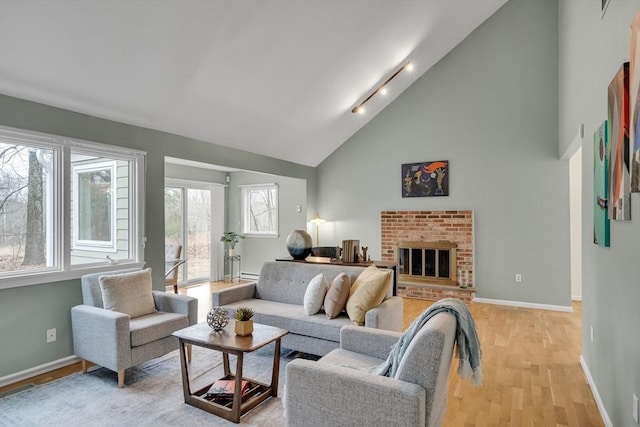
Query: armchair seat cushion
{"points": [[351, 359], [155, 326], [294, 319]]}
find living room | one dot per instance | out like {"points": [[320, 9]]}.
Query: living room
{"points": [[503, 107]]}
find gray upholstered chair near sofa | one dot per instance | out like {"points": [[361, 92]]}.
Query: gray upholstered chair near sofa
{"points": [[333, 392], [122, 322]]}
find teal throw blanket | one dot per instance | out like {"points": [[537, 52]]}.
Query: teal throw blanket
{"points": [[469, 352]]}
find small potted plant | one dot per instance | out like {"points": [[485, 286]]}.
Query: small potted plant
{"points": [[231, 238], [244, 321]]}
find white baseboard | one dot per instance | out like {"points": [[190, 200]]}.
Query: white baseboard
{"points": [[524, 304], [576, 297], [596, 395], [37, 370]]}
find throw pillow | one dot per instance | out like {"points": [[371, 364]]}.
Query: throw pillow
{"points": [[128, 293], [314, 295], [337, 295], [367, 292]]}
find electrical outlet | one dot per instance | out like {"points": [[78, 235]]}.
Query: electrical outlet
{"points": [[636, 409], [518, 278], [592, 334], [51, 335]]}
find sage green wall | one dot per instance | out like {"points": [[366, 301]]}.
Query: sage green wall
{"points": [[26, 314], [191, 173], [490, 108], [22, 339], [256, 250], [592, 49]]}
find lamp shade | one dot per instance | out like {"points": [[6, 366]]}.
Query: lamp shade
{"points": [[317, 220]]}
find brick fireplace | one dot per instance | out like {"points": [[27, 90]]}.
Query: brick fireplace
{"points": [[419, 237]]}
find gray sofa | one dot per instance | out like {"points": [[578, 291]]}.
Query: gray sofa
{"points": [[277, 299]]}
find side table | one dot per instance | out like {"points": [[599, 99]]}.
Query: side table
{"points": [[228, 342], [229, 261]]}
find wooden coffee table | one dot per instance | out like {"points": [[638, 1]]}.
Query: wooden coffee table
{"points": [[228, 342]]}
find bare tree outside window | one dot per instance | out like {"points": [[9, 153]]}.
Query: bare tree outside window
{"points": [[25, 184], [172, 216]]}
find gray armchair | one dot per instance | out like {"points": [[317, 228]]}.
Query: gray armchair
{"points": [[326, 392], [116, 341]]}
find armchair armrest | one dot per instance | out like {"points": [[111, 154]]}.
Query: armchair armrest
{"points": [[387, 315], [101, 336], [371, 342], [173, 303], [320, 394], [233, 294]]}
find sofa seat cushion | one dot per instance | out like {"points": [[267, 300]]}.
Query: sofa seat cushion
{"points": [[155, 326], [293, 318], [351, 359]]}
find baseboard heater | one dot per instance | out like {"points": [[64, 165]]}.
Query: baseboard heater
{"points": [[249, 276]]}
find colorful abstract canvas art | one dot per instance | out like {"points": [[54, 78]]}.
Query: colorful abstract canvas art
{"points": [[618, 124], [634, 93], [425, 179], [601, 225]]}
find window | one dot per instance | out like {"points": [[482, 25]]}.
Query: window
{"points": [[260, 209], [94, 206], [27, 201], [44, 230]]}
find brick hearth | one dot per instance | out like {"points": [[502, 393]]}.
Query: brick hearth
{"points": [[430, 226]]}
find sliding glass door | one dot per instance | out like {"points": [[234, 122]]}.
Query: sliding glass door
{"points": [[198, 234], [189, 222]]}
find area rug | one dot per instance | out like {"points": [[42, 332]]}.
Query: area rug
{"points": [[152, 395]]}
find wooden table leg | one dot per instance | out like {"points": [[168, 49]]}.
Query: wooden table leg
{"points": [[225, 363], [276, 369], [186, 388], [236, 408]]}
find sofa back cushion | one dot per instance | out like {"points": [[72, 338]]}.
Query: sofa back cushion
{"points": [[287, 282]]}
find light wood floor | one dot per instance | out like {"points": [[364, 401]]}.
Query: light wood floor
{"points": [[532, 374], [531, 370]]}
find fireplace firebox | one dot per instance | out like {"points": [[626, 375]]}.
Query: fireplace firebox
{"points": [[427, 262]]}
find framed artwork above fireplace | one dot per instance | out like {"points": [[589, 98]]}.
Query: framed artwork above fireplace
{"points": [[425, 179]]}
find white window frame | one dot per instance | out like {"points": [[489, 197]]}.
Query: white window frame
{"points": [[246, 212], [60, 222], [95, 245]]}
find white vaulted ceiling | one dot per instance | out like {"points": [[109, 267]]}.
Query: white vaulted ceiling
{"points": [[277, 78]]}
